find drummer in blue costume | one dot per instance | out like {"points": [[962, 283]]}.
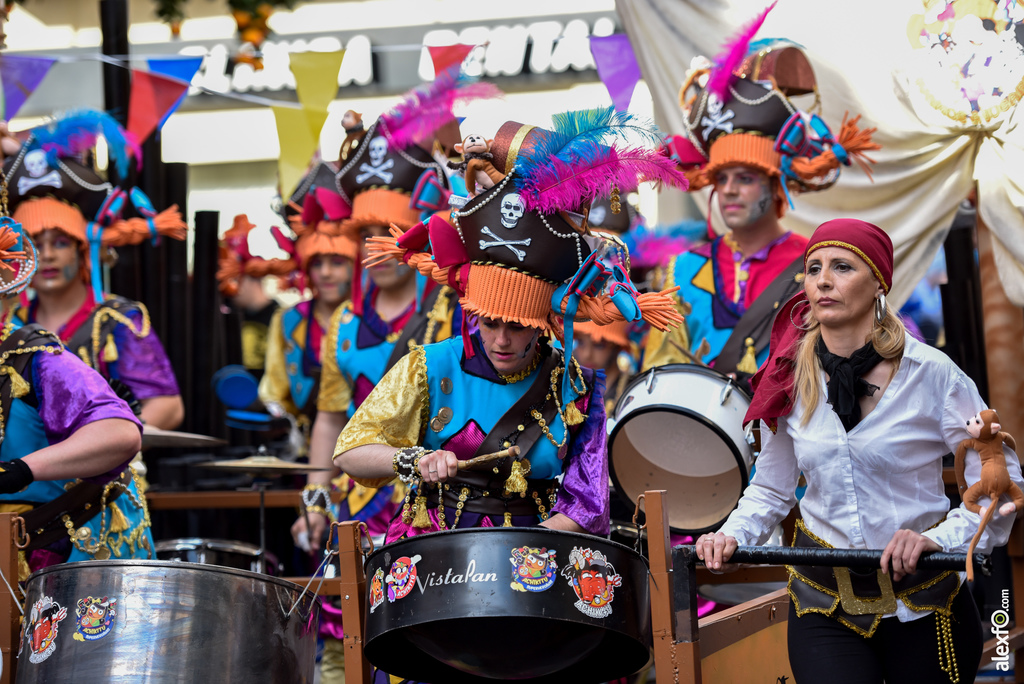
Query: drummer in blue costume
{"points": [[519, 257], [390, 177], [371, 331], [323, 258], [506, 385], [731, 286], [60, 421]]}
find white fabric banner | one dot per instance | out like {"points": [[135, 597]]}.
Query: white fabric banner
{"points": [[866, 64]]}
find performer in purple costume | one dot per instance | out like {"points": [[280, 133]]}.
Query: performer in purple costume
{"points": [[61, 420]]}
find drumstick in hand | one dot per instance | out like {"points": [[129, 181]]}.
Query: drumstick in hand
{"points": [[689, 355], [512, 451]]}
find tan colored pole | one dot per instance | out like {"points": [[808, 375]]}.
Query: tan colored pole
{"points": [[353, 599]]}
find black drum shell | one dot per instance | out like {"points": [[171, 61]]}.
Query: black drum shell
{"points": [[485, 631]]}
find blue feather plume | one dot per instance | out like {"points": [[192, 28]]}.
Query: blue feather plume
{"points": [[75, 132]]}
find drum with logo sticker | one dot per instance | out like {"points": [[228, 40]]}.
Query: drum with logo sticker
{"points": [[680, 428], [224, 552], [161, 622], [487, 604]]}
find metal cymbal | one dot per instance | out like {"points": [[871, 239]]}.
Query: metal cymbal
{"points": [[261, 465], [155, 437]]}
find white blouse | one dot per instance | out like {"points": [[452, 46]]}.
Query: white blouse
{"points": [[882, 476]]}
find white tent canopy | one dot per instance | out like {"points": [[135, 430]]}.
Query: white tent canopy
{"points": [[866, 64]]}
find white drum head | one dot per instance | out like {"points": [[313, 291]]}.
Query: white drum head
{"points": [[669, 442]]}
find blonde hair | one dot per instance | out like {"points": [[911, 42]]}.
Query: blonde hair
{"points": [[888, 339]]}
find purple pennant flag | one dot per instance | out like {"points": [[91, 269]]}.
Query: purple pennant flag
{"points": [[179, 68], [20, 77], [616, 66]]}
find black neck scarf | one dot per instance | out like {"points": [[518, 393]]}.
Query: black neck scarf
{"points": [[845, 384]]}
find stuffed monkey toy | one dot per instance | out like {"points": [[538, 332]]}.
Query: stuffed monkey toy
{"points": [[476, 164], [352, 122], [987, 440]]}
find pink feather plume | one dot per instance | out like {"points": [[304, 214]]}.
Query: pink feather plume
{"points": [[559, 185], [732, 55], [427, 108]]}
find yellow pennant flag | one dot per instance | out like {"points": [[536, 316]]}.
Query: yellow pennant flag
{"points": [[298, 143], [316, 78], [298, 130]]}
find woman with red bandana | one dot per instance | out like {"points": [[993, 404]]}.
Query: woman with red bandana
{"points": [[866, 413]]}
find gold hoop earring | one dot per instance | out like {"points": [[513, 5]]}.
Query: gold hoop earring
{"points": [[800, 327], [881, 308]]}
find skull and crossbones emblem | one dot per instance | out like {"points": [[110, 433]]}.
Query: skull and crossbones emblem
{"points": [[39, 171], [497, 241], [512, 209], [379, 163], [716, 119]]}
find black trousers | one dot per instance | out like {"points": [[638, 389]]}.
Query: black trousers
{"points": [[822, 650]]}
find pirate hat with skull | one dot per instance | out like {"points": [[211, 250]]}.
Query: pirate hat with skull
{"points": [[742, 115], [520, 252], [383, 180], [50, 187]]}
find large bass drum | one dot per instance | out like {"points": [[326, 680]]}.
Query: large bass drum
{"points": [[160, 622], [503, 604], [680, 428]]}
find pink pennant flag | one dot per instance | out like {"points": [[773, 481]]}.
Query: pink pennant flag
{"points": [[444, 56], [151, 98]]}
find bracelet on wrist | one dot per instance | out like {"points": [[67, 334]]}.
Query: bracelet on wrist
{"points": [[322, 511], [316, 495], [406, 464]]}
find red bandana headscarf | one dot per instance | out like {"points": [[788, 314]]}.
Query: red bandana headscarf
{"points": [[773, 383]]}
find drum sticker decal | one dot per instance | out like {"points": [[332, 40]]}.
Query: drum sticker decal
{"points": [[594, 580], [95, 617], [402, 577], [377, 589], [42, 628], [533, 569]]}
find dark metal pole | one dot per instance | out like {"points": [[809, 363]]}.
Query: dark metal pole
{"points": [[962, 316], [178, 334], [117, 83], [833, 558], [208, 329]]}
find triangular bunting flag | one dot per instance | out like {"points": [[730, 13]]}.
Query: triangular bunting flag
{"points": [[444, 56], [152, 97], [298, 143], [616, 66], [181, 69], [316, 78], [20, 77]]}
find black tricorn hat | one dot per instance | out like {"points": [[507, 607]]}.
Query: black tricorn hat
{"points": [[499, 230]]}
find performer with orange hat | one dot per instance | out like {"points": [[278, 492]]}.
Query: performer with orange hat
{"points": [[240, 278], [74, 216], [59, 421], [525, 266], [322, 256], [390, 179], [746, 139]]}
